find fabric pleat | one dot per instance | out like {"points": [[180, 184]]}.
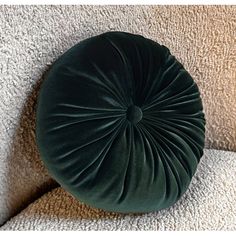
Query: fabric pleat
{"points": [[137, 161]]}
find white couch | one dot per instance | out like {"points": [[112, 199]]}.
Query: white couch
{"points": [[32, 37]]}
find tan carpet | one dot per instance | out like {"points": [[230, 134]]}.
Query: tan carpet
{"points": [[32, 37]]}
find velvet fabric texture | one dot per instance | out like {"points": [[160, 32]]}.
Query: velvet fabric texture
{"points": [[120, 123]]}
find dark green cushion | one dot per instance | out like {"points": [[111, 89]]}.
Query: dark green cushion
{"points": [[120, 123]]}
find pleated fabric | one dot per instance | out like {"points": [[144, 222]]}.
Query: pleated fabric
{"points": [[120, 123]]}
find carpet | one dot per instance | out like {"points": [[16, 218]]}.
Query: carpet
{"points": [[203, 38]]}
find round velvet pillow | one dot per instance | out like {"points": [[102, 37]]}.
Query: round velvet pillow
{"points": [[120, 123]]}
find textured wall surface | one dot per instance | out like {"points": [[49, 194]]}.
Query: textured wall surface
{"points": [[209, 204], [32, 37]]}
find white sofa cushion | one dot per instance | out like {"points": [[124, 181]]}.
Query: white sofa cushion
{"points": [[209, 204]]}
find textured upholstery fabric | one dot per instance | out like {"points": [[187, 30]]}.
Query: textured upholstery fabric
{"points": [[120, 123], [209, 204], [32, 37]]}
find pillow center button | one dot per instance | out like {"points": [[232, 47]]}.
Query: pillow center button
{"points": [[134, 114]]}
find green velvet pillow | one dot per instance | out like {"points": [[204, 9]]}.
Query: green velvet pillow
{"points": [[120, 123]]}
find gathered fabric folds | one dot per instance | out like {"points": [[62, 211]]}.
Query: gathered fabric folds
{"points": [[120, 123]]}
